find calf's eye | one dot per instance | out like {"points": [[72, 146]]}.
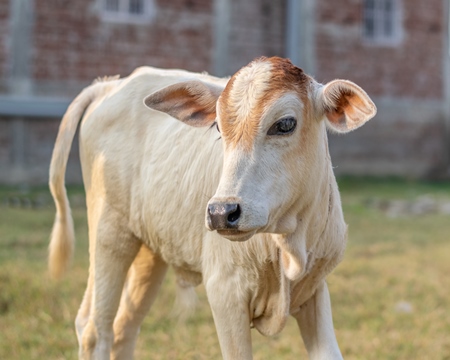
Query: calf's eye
{"points": [[283, 127]]}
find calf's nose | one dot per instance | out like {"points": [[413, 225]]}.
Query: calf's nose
{"points": [[223, 216]]}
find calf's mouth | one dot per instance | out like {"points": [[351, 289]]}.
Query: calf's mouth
{"points": [[236, 235]]}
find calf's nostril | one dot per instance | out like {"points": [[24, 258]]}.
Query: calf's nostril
{"points": [[235, 214]]}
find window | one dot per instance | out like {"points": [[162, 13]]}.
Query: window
{"points": [[127, 11], [382, 22]]}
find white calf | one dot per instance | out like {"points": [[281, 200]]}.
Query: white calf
{"points": [[267, 185]]}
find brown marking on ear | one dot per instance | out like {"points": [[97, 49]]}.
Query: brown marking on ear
{"points": [[337, 114], [274, 76], [346, 105], [192, 102]]}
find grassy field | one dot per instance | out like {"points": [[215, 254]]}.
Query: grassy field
{"points": [[390, 295]]}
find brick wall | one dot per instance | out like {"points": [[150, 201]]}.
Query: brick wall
{"points": [[411, 69], [408, 135], [257, 28], [4, 35], [73, 43]]}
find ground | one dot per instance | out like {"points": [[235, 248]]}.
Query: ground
{"points": [[390, 295]]}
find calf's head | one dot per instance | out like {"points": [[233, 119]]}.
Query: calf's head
{"points": [[271, 117]]}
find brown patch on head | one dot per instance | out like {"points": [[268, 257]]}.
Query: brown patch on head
{"points": [[251, 91], [288, 77]]}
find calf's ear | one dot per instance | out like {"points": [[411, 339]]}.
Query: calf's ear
{"points": [[345, 105], [192, 102]]}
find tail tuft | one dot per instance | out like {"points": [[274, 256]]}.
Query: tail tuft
{"points": [[61, 245]]}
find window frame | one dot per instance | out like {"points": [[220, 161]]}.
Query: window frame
{"points": [[381, 18], [123, 14]]}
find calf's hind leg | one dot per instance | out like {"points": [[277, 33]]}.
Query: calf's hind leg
{"points": [[85, 309], [144, 279], [114, 251]]}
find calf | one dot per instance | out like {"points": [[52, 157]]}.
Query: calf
{"points": [[253, 166]]}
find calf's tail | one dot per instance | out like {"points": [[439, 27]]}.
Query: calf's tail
{"points": [[62, 237]]}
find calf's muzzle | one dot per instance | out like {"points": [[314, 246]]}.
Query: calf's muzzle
{"points": [[222, 216]]}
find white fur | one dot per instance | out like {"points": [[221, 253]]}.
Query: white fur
{"points": [[148, 179], [249, 87]]}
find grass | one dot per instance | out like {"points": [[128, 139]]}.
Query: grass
{"points": [[390, 295]]}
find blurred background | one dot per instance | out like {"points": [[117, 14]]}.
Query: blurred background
{"points": [[390, 295], [397, 50]]}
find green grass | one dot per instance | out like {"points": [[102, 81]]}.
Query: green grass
{"points": [[390, 264]]}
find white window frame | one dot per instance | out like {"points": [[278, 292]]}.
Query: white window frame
{"points": [[123, 14], [381, 18]]}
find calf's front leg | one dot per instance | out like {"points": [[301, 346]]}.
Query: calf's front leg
{"points": [[231, 317], [316, 326]]}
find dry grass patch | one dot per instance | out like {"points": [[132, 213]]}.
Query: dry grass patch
{"points": [[390, 295]]}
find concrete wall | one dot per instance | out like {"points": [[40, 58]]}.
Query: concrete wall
{"points": [[26, 145], [406, 139]]}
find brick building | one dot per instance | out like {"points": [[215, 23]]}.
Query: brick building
{"points": [[397, 50]]}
